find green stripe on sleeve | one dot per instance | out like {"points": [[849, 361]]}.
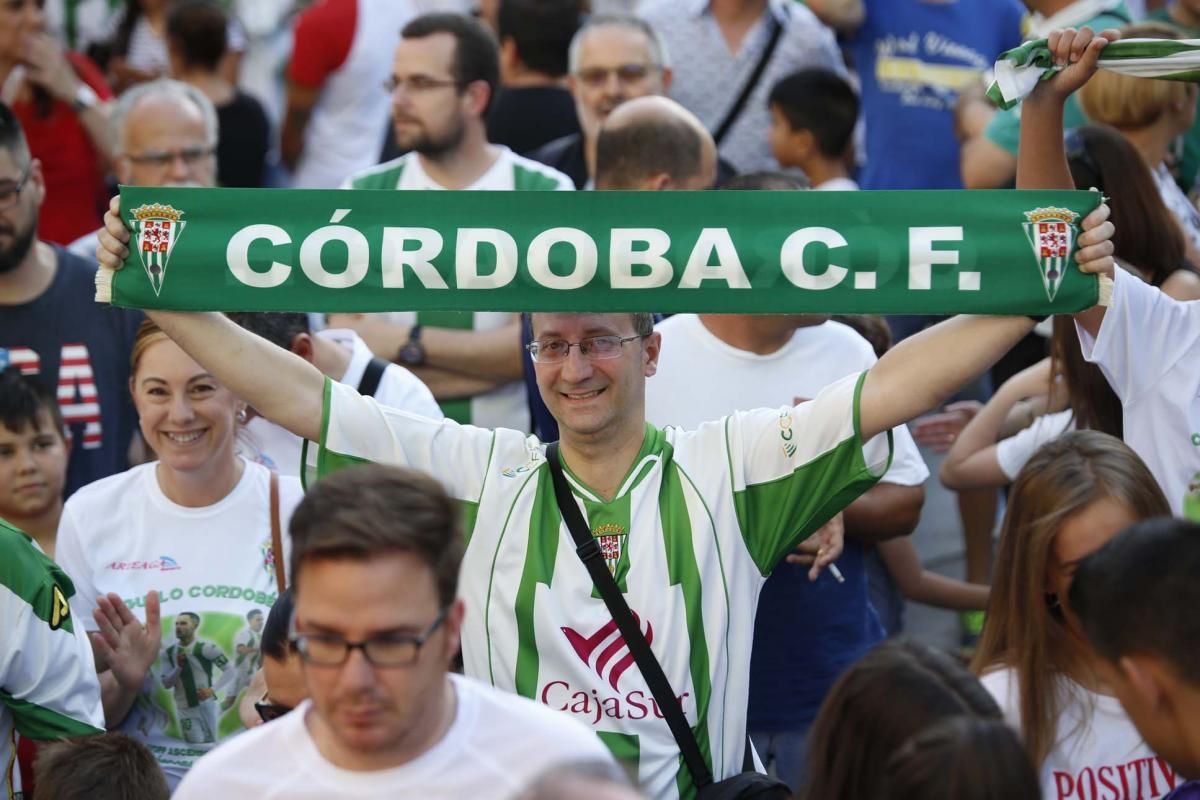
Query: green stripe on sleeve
{"points": [[33, 577]]}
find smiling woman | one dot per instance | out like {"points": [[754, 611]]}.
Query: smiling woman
{"points": [[201, 516]]}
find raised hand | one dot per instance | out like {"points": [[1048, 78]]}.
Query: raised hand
{"points": [[1076, 52], [1095, 253], [128, 646], [113, 238]]}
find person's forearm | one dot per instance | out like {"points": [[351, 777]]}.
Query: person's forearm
{"points": [[447, 385], [923, 586], [96, 123], [842, 15], [918, 374], [985, 164], [490, 355], [972, 457], [1042, 159], [291, 136], [884, 511], [116, 699], [280, 385]]}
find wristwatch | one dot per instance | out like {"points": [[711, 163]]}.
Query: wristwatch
{"points": [[412, 352], [85, 98]]}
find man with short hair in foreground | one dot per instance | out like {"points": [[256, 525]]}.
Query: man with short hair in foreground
{"points": [[1136, 600], [375, 560]]}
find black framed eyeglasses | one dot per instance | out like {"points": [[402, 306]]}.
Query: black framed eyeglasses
{"points": [[393, 650], [270, 711], [9, 194], [594, 348], [418, 84], [191, 156]]}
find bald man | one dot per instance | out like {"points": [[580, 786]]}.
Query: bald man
{"points": [[654, 144]]}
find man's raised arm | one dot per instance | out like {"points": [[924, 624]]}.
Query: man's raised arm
{"points": [[918, 374], [280, 385]]}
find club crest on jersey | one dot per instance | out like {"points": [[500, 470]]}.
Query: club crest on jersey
{"points": [[611, 538], [156, 230], [1051, 233]]}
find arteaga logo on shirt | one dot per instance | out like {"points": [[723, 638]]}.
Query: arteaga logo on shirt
{"points": [[1148, 777], [163, 564]]}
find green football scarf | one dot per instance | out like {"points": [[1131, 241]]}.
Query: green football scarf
{"points": [[1001, 252], [1019, 70]]}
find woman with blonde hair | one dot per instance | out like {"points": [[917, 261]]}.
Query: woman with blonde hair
{"points": [[1151, 115], [1075, 494], [199, 534]]}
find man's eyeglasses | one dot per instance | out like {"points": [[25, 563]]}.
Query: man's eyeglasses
{"points": [[417, 84], [594, 348], [10, 192], [269, 711], [626, 74], [190, 156], [393, 650]]}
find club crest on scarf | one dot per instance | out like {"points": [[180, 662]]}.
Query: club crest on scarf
{"points": [[156, 230], [1051, 233]]}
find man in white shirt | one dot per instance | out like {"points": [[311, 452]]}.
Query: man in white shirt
{"points": [[444, 77], [375, 560], [343, 356]]}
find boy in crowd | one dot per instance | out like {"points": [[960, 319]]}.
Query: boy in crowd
{"points": [[813, 114], [111, 766], [1135, 599], [33, 457]]}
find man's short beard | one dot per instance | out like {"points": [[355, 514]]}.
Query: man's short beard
{"points": [[12, 256], [438, 149]]}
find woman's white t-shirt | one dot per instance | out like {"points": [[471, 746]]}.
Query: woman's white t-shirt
{"points": [[1013, 452], [123, 535], [1097, 754]]}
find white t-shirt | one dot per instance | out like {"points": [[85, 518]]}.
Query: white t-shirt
{"points": [[1149, 350], [1013, 452], [122, 534], [1098, 752], [279, 449], [701, 378], [698, 522], [496, 746]]}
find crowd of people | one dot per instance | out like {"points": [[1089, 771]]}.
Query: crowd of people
{"points": [[294, 555]]}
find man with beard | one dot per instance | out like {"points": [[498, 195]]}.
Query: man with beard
{"points": [[444, 76], [166, 135], [50, 326]]}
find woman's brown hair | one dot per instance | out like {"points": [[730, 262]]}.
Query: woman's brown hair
{"points": [[1093, 403], [1021, 632], [147, 334], [1148, 236], [884, 699]]}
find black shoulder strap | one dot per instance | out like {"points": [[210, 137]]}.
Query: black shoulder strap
{"points": [[736, 109], [372, 375], [589, 553]]}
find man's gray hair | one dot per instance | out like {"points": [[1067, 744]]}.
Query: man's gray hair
{"points": [[164, 87], [658, 48]]}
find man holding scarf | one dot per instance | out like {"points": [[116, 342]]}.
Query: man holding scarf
{"points": [[689, 523]]}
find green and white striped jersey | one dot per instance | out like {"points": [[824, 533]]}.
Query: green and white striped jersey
{"points": [[48, 684], [511, 172], [699, 521]]}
